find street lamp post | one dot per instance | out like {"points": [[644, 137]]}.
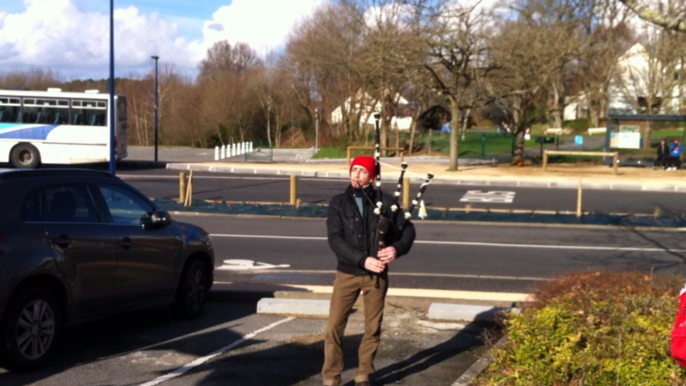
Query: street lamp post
{"points": [[156, 104], [112, 128]]}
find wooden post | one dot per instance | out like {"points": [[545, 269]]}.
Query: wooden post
{"points": [[614, 161], [182, 187], [406, 192], [189, 190], [293, 189], [402, 156], [545, 161], [578, 201]]}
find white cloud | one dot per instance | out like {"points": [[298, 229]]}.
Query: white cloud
{"points": [[57, 34], [262, 24], [61, 35]]}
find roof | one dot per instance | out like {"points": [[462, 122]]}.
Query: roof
{"points": [[647, 117]]}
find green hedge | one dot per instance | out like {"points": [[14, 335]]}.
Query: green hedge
{"points": [[577, 125], [592, 329]]}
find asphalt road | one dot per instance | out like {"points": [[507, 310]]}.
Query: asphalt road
{"points": [[162, 183], [446, 256]]}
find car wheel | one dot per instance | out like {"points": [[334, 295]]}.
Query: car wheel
{"points": [[25, 156], [30, 330], [192, 292]]}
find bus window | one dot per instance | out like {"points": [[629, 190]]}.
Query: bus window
{"points": [[31, 110], [89, 113], [9, 109]]}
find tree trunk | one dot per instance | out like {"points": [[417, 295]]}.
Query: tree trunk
{"points": [[518, 158], [384, 128], [465, 121], [646, 137], [454, 128], [557, 107], [412, 131], [397, 138]]}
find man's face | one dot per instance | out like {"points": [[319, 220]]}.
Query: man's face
{"points": [[359, 177]]}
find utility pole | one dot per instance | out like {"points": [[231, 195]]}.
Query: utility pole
{"points": [[156, 104]]}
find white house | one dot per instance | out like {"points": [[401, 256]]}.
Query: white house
{"points": [[366, 105], [629, 86]]}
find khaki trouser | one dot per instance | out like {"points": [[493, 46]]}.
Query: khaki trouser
{"points": [[346, 289]]}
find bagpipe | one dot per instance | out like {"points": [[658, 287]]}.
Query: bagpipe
{"points": [[383, 221]]}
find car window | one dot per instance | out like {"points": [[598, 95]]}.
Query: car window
{"points": [[69, 203], [30, 209], [126, 207]]}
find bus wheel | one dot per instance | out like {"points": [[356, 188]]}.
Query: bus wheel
{"points": [[25, 156]]}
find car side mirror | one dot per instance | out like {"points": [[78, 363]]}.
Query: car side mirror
{"points": [[158, 219]]}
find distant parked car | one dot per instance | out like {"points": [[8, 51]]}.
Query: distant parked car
{"points": [[78, 245]]}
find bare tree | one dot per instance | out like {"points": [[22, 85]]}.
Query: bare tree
{"points": [[527, 60], [609, 37], [455, 41], [673, 19], [222, 58]]}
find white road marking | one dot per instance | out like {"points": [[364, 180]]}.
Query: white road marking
{"points": [[413, 274], [199, 361], [245, 265], [496, 196], [474, 243]]}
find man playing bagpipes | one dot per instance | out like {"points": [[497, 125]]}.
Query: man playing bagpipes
{"points": [[366, 234]]}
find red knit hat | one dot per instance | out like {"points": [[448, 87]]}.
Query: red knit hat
{"points": [[366, 162]]}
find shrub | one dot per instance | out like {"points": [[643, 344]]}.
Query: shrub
{"points": [[577, 125], [592, 329]]}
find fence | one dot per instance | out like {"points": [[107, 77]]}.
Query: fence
{"points": [[261, 152]]}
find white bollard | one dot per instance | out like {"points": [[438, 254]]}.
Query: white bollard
{"points": [[238, 149], [242, 147], [250, 147], [223, 152], [216, 153], [233, 150]]}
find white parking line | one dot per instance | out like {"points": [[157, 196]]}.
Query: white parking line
{"points": [[474, 243], [199, 361]]}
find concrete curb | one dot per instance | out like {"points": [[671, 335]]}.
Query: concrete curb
{"points": [[437, 180], [437, 311], [478, 367], [307, 307], [466, 312]]}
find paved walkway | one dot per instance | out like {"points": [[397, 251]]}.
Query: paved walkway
{"points": [[470, 172]]}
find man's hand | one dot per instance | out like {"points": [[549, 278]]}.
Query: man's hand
{"points": [[373, 264], [388, 254]]}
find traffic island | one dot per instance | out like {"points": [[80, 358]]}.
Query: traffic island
{"points": [[434, 214]]}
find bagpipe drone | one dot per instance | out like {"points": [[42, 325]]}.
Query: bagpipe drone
{"points": [[383, 221]]}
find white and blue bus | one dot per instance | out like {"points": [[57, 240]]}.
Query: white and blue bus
{"points": [[55, 127]]}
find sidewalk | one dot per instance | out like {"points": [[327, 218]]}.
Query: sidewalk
{"points": [[470, 172], [558, 175]]}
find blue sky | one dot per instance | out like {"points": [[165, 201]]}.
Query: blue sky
{"points": [[72, 36]]}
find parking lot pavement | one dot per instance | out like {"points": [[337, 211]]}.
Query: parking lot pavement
{"points": [[230, 344], [413, 351]]}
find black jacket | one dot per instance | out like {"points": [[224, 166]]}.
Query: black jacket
{"points": [[662, 151], [351, 235]]}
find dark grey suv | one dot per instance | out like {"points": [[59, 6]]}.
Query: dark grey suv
{"points": [[76, 245]]}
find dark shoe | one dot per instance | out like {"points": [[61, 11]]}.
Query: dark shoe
{"points": [[365, 383]]}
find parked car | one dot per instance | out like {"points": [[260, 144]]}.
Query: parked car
{"points": [[78, 245]]}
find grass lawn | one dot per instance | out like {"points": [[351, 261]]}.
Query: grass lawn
{"points": [[475, 145]]}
